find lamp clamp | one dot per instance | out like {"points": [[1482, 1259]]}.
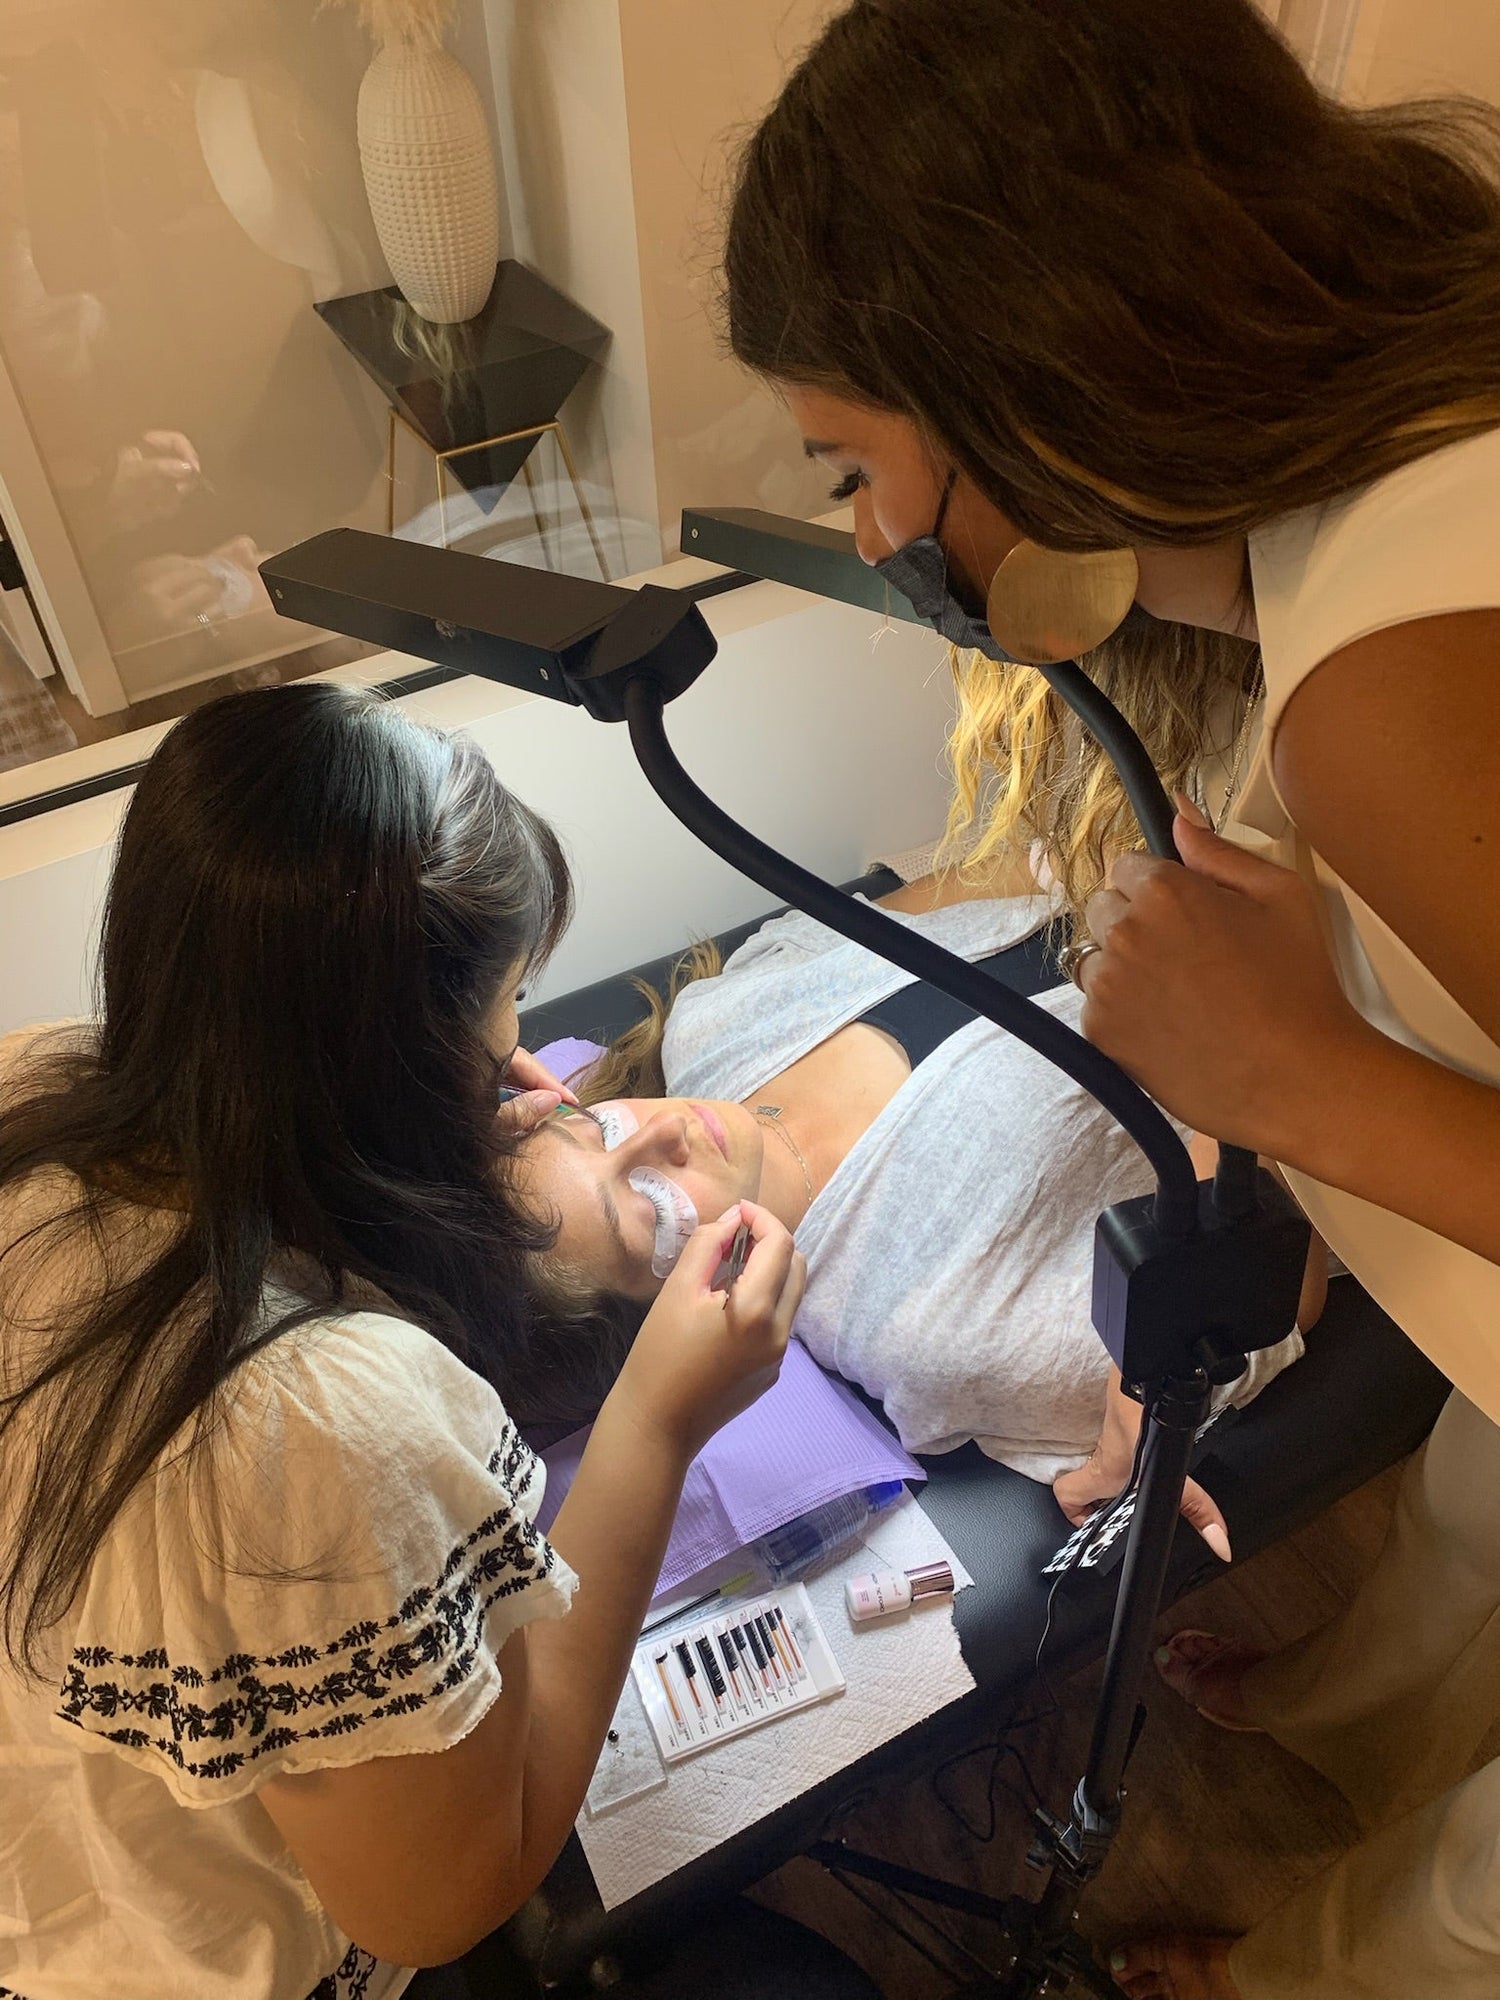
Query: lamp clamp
{"points": [[1237, 1278]]}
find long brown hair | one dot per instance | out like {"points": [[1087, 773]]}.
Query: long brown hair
{"points": [[315, 904], [1123, 263]]}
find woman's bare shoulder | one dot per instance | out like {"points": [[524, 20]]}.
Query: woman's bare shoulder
{"points": [[1007, 874], [1388, 758]]}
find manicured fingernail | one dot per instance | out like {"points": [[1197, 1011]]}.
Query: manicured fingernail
{"points": [[1218, 1541], [1163, 1656], [1118, 1960]]}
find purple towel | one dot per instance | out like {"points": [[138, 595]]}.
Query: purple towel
{"points": [[807, 1441], [569, 1058]]}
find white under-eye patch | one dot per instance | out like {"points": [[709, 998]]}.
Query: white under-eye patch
{"points": [[615, 1124], [676, 1217]]}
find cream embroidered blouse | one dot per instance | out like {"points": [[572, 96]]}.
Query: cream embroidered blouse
{"points": [[330, 1579]]}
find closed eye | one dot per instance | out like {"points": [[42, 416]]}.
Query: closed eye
{"points": [[562, 1123], [660, 1208], [577, 1124], [847, 487]]}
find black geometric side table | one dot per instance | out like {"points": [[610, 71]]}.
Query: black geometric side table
{"points": [[481, 394]]}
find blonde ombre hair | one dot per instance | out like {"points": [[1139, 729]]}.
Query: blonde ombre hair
{"points": [[1025, 770]]}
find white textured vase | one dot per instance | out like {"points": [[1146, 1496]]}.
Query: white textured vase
{"points": [[430, 175]]}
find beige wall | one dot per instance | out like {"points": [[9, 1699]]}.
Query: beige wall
{"points": [[1408, 48], [697, 74], [1378, 50], [618, 119], [1320, 31], [645, 885]]}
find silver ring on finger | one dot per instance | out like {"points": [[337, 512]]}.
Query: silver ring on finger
{"points": [[1076, 955]]}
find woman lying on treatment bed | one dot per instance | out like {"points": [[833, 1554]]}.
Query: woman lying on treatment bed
{"points": [[942, 1181]]}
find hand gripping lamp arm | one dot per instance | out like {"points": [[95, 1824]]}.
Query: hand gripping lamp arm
{"points": [[1184, 1285]]}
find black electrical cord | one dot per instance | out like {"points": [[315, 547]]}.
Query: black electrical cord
{"points": [[1098, 1520], [1177, 1189], [997, 1749], [907, 1936]]}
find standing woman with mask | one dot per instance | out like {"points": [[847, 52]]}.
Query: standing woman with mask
{"points": [[292, 1695], [1111, 291]]}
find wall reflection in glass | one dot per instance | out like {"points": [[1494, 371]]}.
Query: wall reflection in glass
{"points": [[179, 181]]}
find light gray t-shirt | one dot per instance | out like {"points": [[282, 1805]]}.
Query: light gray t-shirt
{"points": [[950, 1257]]}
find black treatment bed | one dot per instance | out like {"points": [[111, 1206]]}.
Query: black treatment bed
{"points": [[1361, 1399]]}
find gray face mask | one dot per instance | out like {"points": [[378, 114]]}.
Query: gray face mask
{"points": [[919, 570]]}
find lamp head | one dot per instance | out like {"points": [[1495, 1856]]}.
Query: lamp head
{"points": [[561, 636]]}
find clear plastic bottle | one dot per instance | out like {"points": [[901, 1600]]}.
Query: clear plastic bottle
{"points": [[796, 1547]]}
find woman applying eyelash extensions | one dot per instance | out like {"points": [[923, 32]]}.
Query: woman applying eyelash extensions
{"points": [[294, 1695]]}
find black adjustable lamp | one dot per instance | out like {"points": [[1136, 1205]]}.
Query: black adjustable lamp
{"points": [[1186, 1281]]}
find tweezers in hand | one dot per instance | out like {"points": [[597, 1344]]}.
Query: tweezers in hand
{"points": [[739, 1250]]}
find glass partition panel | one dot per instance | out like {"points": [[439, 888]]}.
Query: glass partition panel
{"points": [[204, 358], [260, 278]]}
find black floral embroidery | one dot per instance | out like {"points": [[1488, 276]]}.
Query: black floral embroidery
{"points": [[349, 1980], [308, 1692]]}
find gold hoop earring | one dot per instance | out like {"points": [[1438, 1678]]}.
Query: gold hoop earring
{"points": [[1046, 605]]}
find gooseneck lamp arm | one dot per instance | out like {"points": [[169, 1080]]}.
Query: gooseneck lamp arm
{"points": [[1125, 750], [618, 653], [810, 555], [1177, 1193], [1236, 1173]]}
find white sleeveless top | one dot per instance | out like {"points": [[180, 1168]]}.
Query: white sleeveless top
{"points": [[1421, 542]]}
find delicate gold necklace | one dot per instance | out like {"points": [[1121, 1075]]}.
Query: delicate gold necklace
{"points": [[772, 1115], [1252, 710]]}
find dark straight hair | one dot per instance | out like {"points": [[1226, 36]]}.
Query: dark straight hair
{"points": [[315, 904], [1120, 260]]}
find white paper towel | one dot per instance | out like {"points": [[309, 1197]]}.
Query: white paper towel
{"points": [[898, 1673]]}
